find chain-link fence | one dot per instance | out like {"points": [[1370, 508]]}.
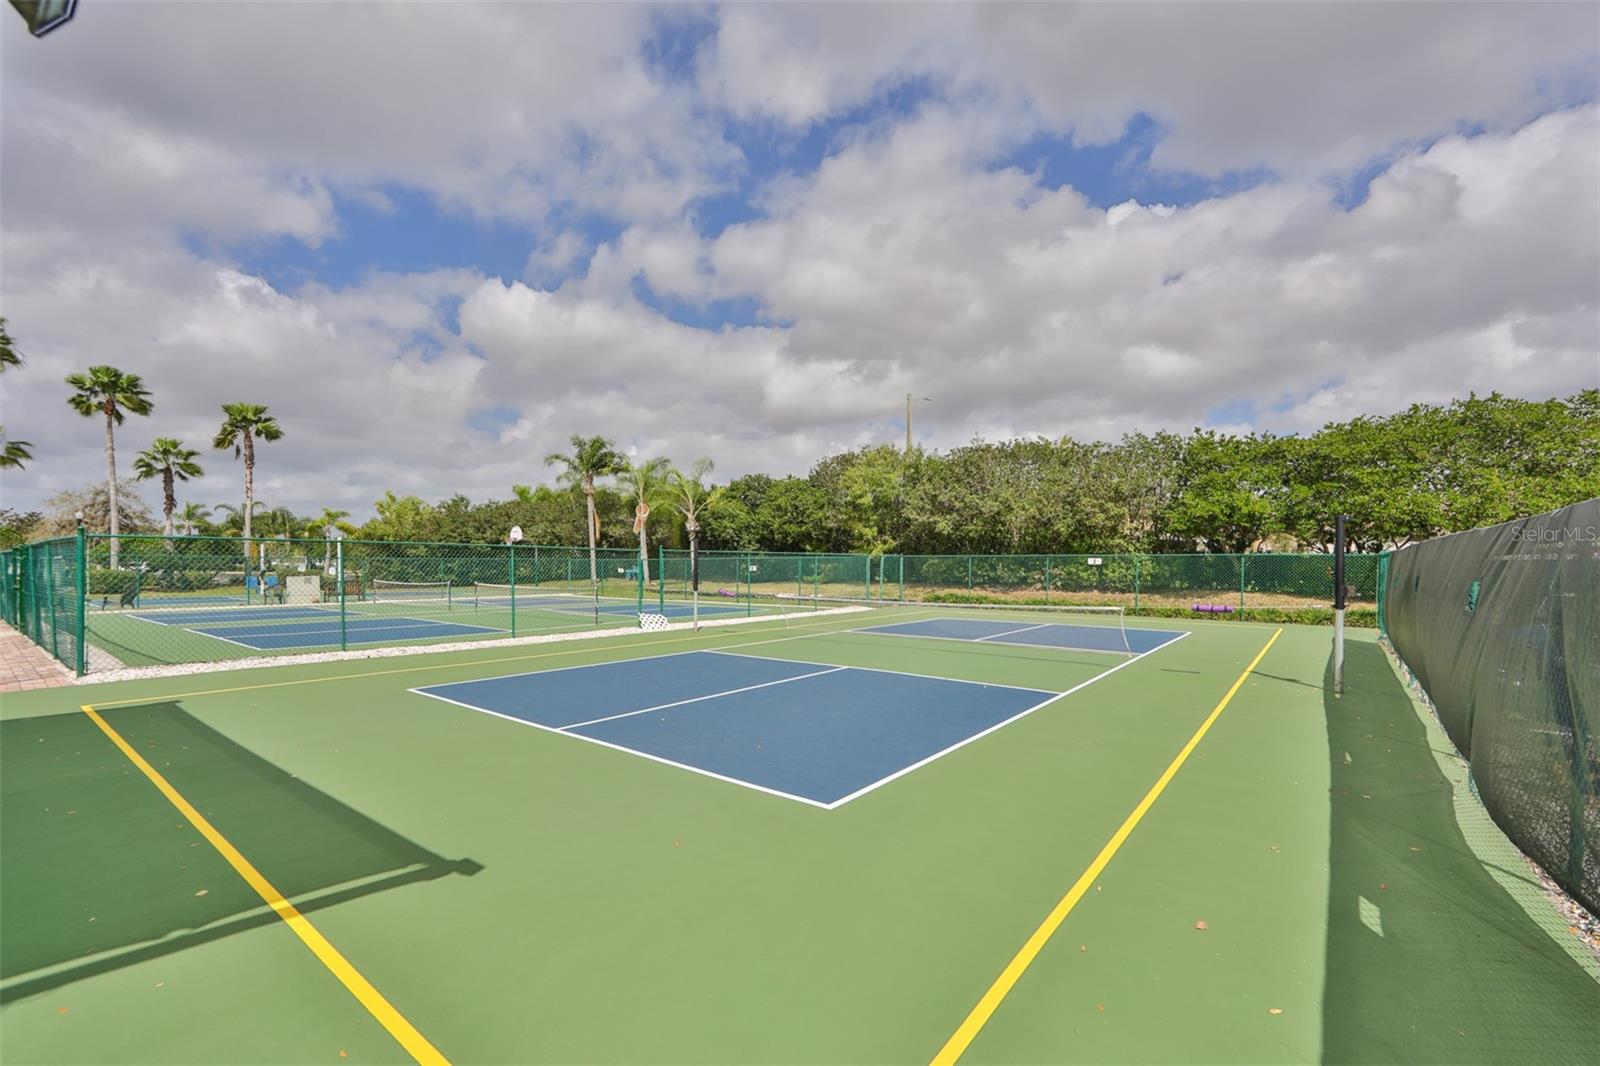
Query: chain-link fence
{"points": [[1236, 581], [167, 600], [42, 598], [1498, 627], [170, 600]]}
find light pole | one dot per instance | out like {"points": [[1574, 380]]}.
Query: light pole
{"points": [[909, 399]]}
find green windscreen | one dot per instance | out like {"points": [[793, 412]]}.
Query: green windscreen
{"points": [[1501, 627]]}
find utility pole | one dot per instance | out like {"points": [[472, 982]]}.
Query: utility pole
{"points": [[909, 398]]}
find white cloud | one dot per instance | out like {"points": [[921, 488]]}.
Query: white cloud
{"points": [[909, 260]]}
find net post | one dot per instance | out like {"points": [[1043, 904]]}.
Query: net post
{"points": [[1338, 604], [512, 558], [82, 588]]}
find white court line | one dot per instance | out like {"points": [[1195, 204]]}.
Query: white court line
{"points": [[631, 751], [880, 670], [712, 696], [858, 793], [635, 659], [975, 640], [1175, 634], [1024, 629], [455, 627]]}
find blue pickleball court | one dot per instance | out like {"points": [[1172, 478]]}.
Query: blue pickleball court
{"points": [[811, 732]]}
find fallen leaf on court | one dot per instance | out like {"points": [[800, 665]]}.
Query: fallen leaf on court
{"points": [[1415, 848], [1274, 1010], [677, 843], [1085, 947], [202, 892], [62, 1010], [1097, 888], [1276, 848], [343, 1054], [1201, 925], [1101, 1007], [1383, 884]]}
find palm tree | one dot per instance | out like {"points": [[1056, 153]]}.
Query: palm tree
{"points": [[169, 460], [108, 391], [15, 452], [244, 422], [235, 519], [9, 356], [192, 516], [318, 527], [644, 482], [690, 492], [591, 457]]}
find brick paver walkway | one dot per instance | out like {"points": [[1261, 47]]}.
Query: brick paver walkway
{"points": [[25, 665]]}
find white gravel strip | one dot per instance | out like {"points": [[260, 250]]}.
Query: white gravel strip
{"points": [[139, 673]]}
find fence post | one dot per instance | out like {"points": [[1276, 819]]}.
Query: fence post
{"points": [[1136, 582], [344, 644], [1047, 578], [1242, 558], [512, 545], [82, 584], [661, 578], [50, 601]]}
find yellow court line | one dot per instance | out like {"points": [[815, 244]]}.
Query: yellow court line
{"points": [[416, 1045], [426, 667], [980, 1014]]}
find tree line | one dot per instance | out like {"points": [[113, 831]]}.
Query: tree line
{"points": [[1419, 473]]}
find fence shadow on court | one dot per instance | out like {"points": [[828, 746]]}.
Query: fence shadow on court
{"points": [[102, 872], [1429, 958]]}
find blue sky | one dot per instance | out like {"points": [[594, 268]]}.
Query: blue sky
{"points": [[745, 232]]}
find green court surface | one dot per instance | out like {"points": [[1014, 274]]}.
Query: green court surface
{"points": [[1279, 876]]}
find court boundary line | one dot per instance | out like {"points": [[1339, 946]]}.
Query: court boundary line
{"points": [[562, 732], [951, 618], [702, 699], [883, 670], [567, 730], [426, 667], [990, 1001], [1178, 634], [394, 1023], [1019, 629], [903, 771], [422, 623]]}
